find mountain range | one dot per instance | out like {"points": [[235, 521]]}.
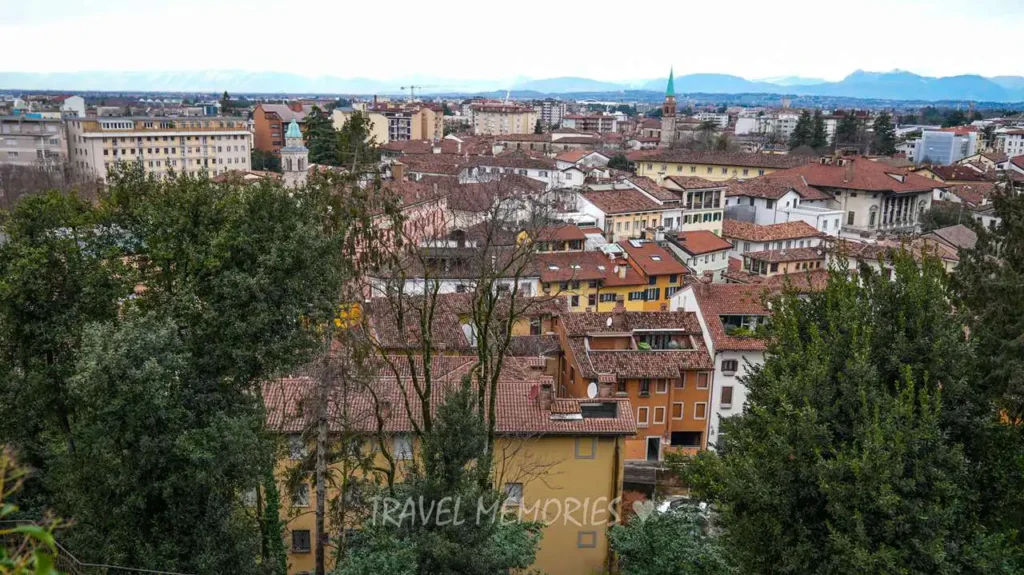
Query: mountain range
{"points": [[894, 85]]}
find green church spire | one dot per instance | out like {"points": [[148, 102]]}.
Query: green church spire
{"points": [[671, 89]]}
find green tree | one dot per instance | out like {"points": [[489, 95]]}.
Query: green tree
{"points": [[450, 467], [265, 161], [944, 214], [803, 132], [819, 135], [538, 128], [321, 138], [447, 110], [988, 281], [655, 113], [678, 542], [162, 455], [273, 557], [884, 139], [25, 549], [955, 118], [619, 162], [848, 129], [357, 149], [869, 447], [225, 103]]}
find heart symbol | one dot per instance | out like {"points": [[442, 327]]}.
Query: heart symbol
{"points": [[643, 509]]}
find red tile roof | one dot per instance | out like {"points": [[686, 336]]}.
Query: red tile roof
{"points": [[586, 266], [695, 183], [393, 400], [622, 201], [964, 173], [771, 233], [774, 186], [572, 156], [716, 300], [974, 194], [787, 255], [771, 161], [653, 259], [701, 242], [863, 174], [516, 159]]}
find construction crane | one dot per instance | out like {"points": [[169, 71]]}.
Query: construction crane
{"points": [[412, 91]]}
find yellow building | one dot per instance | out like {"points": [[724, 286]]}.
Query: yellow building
{"points": [[378, 123], [161, 145], [785, 261], [497, 118], [714, 166], [558, 460], [638, 273], [627, 212]]}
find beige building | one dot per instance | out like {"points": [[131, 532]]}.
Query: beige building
{"points": [[378, 122], [503, 118], [183, 145], [30, 141]]}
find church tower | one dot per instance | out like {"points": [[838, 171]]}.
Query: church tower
{"points": [[294, 157], [668, 113]]}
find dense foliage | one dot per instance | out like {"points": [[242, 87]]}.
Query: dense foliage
{"points": [[866, 445], [677, 542]]}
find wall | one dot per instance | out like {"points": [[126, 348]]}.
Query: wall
{"points": [[658, 171], [378, 124], [739, 391]]}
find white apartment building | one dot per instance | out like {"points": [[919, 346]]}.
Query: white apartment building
{"points": [[721, 120], [550, 111], [32, 140], [946, 146], [728, 315], [195, 146], [1010, 142]]}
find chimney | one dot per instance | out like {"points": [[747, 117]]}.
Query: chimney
{"points": [[848, 174], [398, 171], [295, 106], [622, 271], [605, 388], [458, 146], [544, 397], [617, 313], [437, 148], [384, 409]]}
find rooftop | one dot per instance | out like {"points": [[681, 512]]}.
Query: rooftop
{"points": [[771, 161], [787, 255], [771, 233], [701, 242]]}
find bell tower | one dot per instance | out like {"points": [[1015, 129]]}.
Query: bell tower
{"points": [[668, 113], [294, 157]]}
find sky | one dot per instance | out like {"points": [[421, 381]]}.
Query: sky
{"points": [[504, 40]]}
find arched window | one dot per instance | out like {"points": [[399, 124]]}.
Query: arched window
{"points": [[872, 216]]}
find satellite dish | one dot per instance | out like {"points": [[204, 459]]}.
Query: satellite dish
{"points": [[592, 390], [608, 322]]}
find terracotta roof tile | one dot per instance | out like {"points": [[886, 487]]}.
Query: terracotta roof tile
{"points": [[701, 242], [717, 300], [653, 259], [776, 161], [863, 174], [695, 183], [787, 255], [622, 201], [775, 232]]}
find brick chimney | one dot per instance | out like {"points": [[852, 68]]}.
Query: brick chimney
{"points": [[295, 106], [398, 171], [848, 175], [544, 397], [617, 313]]}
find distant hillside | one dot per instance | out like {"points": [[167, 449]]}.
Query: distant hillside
{"points": [[894, 85]]}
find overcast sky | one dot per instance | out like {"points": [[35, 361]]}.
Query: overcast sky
{"points": [[484, 39]]}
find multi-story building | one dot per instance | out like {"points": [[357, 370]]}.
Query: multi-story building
{"points": [[161, 145], [497, 118], [379, 126], [624, 212], [715, 166], [270, 122], [641, 274], [554, 448], [590, 122], [31, 140], [658, 361], [703, 202], [702, 251], [720, 120], [746, 237], [946, 146], [1010, 142], [729, 315], [782, 197], [550, 111]]}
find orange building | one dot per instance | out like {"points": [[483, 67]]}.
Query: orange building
{"points": [[656, 359], [270, 122]]}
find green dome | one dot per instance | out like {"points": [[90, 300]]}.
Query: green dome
{"points": [[293, 131]]}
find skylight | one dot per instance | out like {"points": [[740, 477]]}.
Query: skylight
{"points": [[656, 258], [553, 268]]}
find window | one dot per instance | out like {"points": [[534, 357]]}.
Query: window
{"points": [[775, 267], [642, 414], [681, 382], [727, 397], [300, 541], [645, 387], [296, 449], [849, 218], [402, 447], [636, 295], [659, 415], [710, 169], [702, 380], [769, 204], [661, 386], [586, 447], [592, 284], [586, 539], [673, 278], [671, 291], [652, 281], [514, 493], [620, 386], [730, 365], [677, 410], [700, 410], [686, 438], [606, 297], [575, 301], [300, 497], [592, 300], [535, 327]]}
